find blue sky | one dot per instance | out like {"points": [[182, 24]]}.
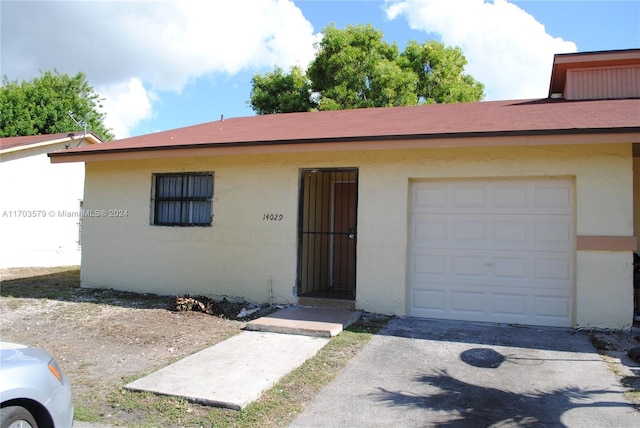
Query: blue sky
{"points": [[166, 64]]}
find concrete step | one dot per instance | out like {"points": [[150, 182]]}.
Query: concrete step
{"points": [[308, 321], [318, 302]]}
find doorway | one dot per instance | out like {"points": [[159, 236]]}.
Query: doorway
{"points": [[327, 233]]}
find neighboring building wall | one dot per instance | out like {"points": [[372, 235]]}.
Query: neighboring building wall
{"points": [[39, 207], [244, 255]]}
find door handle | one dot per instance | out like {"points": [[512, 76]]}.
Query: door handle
{"points": [[352, 236]]}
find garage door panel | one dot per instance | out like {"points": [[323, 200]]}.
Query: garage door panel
{"points": [[557, 197], [552, 306], [510, 304], [553, 232], [543, 232], [468, 266], [510, 266], [505, 268], [495, 304], [491, 196], [434, 301], [555, 269], [465, 301], [500, 251], [469, 197]]}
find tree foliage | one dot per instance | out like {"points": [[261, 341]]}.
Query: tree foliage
{"points": [[280, 92], [356, 68], [440, 72], [41, 106]]}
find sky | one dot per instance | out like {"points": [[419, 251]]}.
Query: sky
{"points": [[166, 64]]}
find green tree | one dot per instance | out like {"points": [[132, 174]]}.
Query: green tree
{"points": [[356, 68], [41, 106], [278, 92], [440, 71]]}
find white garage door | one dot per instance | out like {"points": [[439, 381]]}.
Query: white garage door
{"points": [[492, 250]]}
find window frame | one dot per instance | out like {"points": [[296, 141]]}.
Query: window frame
{"points": [[183, 204]]}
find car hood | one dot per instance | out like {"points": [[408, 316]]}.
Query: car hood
{"points": [[15, 354]]}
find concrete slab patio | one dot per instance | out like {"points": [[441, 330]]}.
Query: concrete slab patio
{"points": [[235, 372]]}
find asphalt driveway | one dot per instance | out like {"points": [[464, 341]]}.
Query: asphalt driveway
{"points": [[419, 373]]}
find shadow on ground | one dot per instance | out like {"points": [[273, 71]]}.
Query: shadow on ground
{"points": [[478, 406]]}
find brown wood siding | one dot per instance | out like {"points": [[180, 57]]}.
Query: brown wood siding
{"points": [[603, 83]]}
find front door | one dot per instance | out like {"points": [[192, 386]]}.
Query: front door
{"points": [[327, 233]]}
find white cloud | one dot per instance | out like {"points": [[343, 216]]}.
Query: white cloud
{"points": [[507, 49], [125, 105], [125, 46]]}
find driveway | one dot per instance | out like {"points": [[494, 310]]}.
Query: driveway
{"points": [[418, 373]]}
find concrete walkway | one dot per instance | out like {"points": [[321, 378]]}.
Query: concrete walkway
{"points": [[235, 372]]}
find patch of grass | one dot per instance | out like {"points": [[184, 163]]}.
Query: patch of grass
{"points": [[633, 397], [86, 414], [63, 284], [57, 285], [277, 407]]}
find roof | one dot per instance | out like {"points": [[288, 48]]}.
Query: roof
{"points": [[564, 62], [493, 118], [19, 143]]}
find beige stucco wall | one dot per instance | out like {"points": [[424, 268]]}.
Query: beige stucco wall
{"points": [[243, 255]]}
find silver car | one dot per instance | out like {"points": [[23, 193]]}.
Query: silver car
{"points": [[33, 390]]}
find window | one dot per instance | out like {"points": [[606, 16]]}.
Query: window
{"points": [[182, 199]]}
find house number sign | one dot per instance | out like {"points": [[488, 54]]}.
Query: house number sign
{"points": [[272, 217]]}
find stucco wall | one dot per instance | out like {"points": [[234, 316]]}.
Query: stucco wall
{"points": [[39, 209], [244, 255]]}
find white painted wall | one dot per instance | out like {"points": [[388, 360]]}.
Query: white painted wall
{"points": [[243, 255], [39, 204]]}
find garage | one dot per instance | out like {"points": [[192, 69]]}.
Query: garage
{"points": [[492, 250]]}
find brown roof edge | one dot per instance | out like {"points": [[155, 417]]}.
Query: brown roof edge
{"points": [[543, 132]]}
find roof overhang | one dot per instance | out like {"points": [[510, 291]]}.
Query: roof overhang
{"points": [[486, 139], [74, 141]]}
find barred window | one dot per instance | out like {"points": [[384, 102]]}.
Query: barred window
{"points": [[182, 199]]}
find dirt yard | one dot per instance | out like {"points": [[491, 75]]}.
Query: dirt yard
{"points": [[104, 338]]}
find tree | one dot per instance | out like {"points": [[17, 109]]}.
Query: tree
{"points": [[278, 92], [356, 68], [440, 72], [41, 106]]}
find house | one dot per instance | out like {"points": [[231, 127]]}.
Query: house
{"points": [[504, 211], [40, 202]]}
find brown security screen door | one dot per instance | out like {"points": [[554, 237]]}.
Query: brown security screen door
{"points": [[327, 232]]}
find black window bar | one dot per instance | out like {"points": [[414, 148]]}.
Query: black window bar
{"points": [[183, 199], [327, 233]]}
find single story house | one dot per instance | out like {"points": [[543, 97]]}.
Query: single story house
{"points": [[40, 215], [516, 211]]}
